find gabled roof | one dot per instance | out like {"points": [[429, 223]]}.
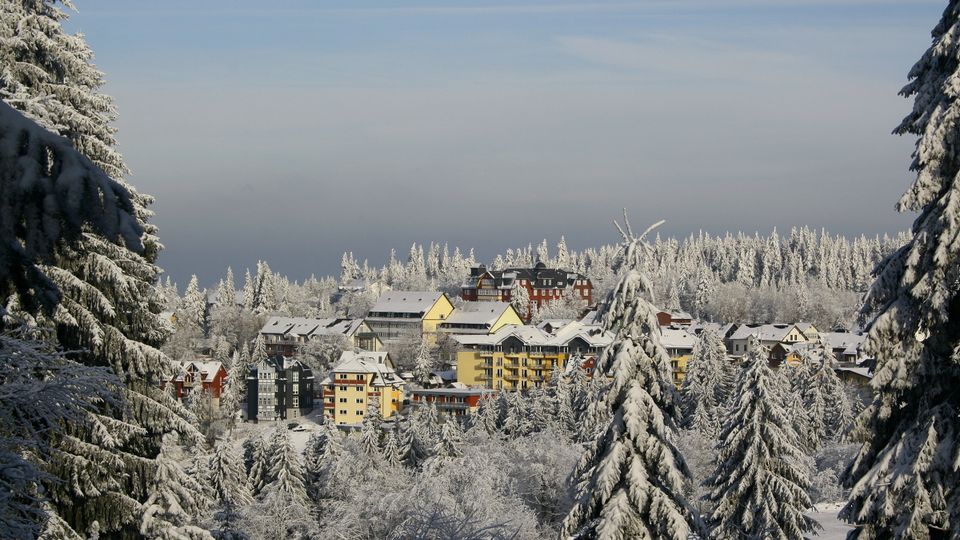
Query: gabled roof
{"points": [[677, 338], [207, 370], [416, 302], [534, 336], [850, 343], [378, 364], [307, 327], [477, 313], [763, 332], [539, 277]]}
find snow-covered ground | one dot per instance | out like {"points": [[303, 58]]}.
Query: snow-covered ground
{"points": [[299, 438], [833, 528]]}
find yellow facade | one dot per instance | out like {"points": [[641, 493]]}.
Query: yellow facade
{"points": [[509, 316], [347, 396], [437, 313], [507, 371], [678, 364]]}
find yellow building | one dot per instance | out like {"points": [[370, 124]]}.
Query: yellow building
{"points": [[400, 315], [517, 357], [480, 318], [359, 378], [679, 345]]}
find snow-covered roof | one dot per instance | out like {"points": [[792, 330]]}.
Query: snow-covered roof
{"points": [[379, 364], [763, 332], [416, 302], [534, 336], [850, 343], [677, 338], [477, 313], [207, 370], [307, 327]]}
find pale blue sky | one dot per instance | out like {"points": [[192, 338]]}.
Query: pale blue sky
{"points": [[292, 131]]}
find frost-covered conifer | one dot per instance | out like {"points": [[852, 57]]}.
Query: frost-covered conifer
{"points": [[391, 449], [259, 473], [411, 449], [228, 483], [701, 390], [630, 481], [449, 446], [371, 430], [423, 363], [192, 312], [259, 353], [286, 471], [905, 480], [759, 485], [518, 421], [109, 306], [175, 502]]}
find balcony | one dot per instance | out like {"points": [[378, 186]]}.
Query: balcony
{"points": [[512, 377]]}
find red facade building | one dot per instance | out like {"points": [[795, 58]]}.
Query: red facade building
{"points": [[543, 285]]}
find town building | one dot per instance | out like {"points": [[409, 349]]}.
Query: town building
{"points": [[455, 401], [521, 357], [210, 375], [402, 315], [359, 379], [769, 335], [480, 318], [543, 285], [286, 335], [279, 388], [674, 318], [679, 345]]}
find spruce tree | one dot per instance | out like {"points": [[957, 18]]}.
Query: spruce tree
{"points": [[175, 502], [630, 481], [108, 307], [701, 389], [760, 481], [286, 471], [259, 473], [905, 480], [228, 482], [423, 363]]}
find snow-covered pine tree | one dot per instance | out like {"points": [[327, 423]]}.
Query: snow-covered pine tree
{"points": [[228, 482], [700, 392], [423, 363], [520, 300], [449, 446], [259, 353], [392, 452], [760, 481], [109, 306], [905, 480], [518, 421], [838, 402], [259, 472], [192, 312], [411, 449], [630, 481], [371, 430], [42, 394], [286, 471], [175, 501]]}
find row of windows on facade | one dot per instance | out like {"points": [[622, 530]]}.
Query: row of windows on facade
{"points": [[269, 376], [269, 402]]}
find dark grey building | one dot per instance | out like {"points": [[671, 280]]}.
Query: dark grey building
{"points": [[279, 388]]}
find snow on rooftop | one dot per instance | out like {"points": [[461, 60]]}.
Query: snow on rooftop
{"points": [[406, 302]]}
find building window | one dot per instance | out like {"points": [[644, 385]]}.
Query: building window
{"points": [[343, 400], [360, 401], [344, 388]]}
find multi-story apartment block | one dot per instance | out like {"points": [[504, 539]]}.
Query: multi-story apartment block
{"points": [[543, 285], [209, 375], [285, 335], [359, 379], [679, 345], [522, 357], [455, 401], [480, 318], [279, 388], [400, 315]]}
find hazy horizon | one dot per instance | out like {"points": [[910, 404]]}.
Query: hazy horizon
{"points": [[294, 133]]}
